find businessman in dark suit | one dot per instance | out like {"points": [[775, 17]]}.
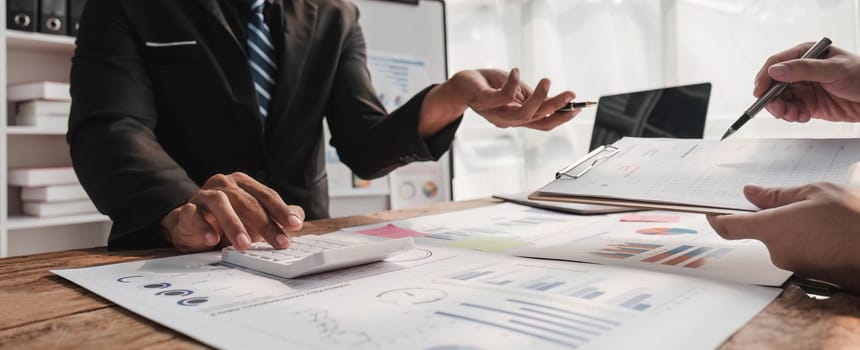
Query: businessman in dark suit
{"points": [[195, 122]]}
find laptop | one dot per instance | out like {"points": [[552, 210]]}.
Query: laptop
{"points": [[673, 112]]}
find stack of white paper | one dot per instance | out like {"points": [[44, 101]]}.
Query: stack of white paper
{"points": [[41, 103], [51, 191]]}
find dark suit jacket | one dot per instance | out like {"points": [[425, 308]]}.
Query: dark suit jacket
{"points": [[162, 99]]}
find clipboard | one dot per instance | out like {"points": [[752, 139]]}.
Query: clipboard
{"points": [[593, 159], [572, 207], [698, 176], [563, 207], [588, 162]]}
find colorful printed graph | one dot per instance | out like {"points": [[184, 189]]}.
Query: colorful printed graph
{"points": [[666, 231], [712, 256], [683, 255], [666, 254], [624, 250], [688, 256]]}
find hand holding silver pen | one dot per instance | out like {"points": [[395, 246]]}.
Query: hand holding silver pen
{"points": [[826, 88], [815, 51]]}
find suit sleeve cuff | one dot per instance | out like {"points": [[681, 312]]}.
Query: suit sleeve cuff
{"points": [[433, 147], [140, 231]]}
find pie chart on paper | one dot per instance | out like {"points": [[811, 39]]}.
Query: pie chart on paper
{"points": [[666, 231]]}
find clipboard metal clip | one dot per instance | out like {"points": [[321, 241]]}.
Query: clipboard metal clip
{"points": [[596, 156]]}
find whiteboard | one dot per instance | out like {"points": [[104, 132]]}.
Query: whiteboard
{"points": [[407, 40], [412, 30]]}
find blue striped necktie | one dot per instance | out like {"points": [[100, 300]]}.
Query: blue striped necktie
{"points": [[261, 55]]}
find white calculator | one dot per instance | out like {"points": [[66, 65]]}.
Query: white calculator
{"points": [[312, 254]]}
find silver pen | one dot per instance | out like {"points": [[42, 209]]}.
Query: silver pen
{"points": [[816, 51]]}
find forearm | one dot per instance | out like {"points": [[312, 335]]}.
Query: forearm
{"points": [[373, 141], [443, 105], [128, 176]]}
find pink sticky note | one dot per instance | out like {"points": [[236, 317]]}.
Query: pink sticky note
{"points": [[391, 231], [637, 217]]}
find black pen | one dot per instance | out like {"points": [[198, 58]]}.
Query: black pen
{"points": [[816, 51], [574, 105]]}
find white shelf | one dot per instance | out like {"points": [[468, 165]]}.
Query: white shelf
{"points": [[33, 130], [359, 195], [28, 222], [21, 40]]}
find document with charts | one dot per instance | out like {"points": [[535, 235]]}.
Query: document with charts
{"points": [[431, 298], [671, 242], [705, 176]]}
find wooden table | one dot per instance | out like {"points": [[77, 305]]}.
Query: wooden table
{"points": [[40, 310]]}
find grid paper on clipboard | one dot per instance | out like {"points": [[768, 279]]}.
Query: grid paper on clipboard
{"points": [[703, 176]]}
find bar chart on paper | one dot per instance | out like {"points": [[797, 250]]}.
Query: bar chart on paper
{"points": [[685, 255], [624, 250], [501, 304], [737, 261], [498, 228], [547, 305], [611, 293], [543, 322], [492, 226]]}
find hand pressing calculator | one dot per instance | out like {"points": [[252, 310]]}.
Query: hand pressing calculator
{"points": [[312, 254]]}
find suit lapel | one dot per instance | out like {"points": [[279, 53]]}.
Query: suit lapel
{"points": [[211, 7], [300, 18], [234, 60]]}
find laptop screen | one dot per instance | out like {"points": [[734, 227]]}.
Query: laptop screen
{"points": [[676, 112]]}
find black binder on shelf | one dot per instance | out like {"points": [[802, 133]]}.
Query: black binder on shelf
{"points": [[21, 15], [76, 8], [52, 16]]}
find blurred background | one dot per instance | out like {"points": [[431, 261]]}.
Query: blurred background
{"points": [[603, 47]]}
